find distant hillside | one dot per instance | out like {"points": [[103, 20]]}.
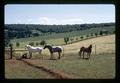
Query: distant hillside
{"points": [[32, 30]]}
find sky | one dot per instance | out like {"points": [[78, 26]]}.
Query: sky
{"points": [[58, 14]]}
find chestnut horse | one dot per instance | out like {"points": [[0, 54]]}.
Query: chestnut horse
{"points": [[84, 50]]}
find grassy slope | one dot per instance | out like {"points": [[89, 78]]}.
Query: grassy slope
{"points": [[57, 39], [100, 66]]}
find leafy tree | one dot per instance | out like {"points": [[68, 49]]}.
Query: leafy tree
{"points": [[43, 42], [91, 34], [106, 32], [17, 44], [37, 43], [7, 41], [87, 36], [101, 33], [96, 34], [81, 37], [31, 43], [11, 45], [66, 39], [71, 39], [35, 34], [76, 38]]}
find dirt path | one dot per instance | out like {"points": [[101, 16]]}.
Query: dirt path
{"points": [[52, 72]]}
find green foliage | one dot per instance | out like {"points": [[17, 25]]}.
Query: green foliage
{"points": [[7, 41], [11, 45], [87, 36], [76, 38], [25, 31], [35, 34], [17, 44], [31, 43], [101, 32], [37, 43], [96, 34], [66, 39], [42, 42], [91, 34], [71, 39], [81, 37]]}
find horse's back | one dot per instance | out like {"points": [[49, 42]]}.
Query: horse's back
{"points": [[58, 48]]}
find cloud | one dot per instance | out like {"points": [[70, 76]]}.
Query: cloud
{"points": [[72, 21], [46, 20], [51, 21]]}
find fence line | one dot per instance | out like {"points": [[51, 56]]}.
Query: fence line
{"points": [[11, 50]]}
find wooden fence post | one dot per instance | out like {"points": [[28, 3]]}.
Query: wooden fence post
{"points": [[95, 49], [11, 51]]}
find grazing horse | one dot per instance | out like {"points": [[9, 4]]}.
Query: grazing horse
{"points": [[32, 49], [54, 49], [87, 50]]}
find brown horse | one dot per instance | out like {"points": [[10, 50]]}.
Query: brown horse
{"points": [[54, 49], [84, 50]]}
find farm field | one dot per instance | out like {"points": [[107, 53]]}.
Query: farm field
{"points": [[100, 65]]}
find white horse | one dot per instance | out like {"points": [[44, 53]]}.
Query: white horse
{"points": [[32, 49]]}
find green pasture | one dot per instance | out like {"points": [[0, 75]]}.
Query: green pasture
{"points": [[58, 38]]}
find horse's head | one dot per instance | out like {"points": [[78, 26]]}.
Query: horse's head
{"points": [[90, 46], [47, 46], [27, 46]]}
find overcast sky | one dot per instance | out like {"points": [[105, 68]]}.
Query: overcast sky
{"points": [[59, 14]]}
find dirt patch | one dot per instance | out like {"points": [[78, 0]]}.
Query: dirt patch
{"points": [[54, 73]]}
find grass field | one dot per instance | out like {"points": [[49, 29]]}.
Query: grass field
{"points": [[99, 66]]}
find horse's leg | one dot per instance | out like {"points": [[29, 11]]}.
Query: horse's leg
{"points": [[83, 54], [59, 55], [51, 56], [30, 55], [40, 54], [80, 52], [89, 54]]}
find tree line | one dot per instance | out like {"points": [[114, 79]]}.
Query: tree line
{"points": [[32, 30], [29, 30]]}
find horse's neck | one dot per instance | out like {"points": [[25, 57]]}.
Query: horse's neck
{"points": [[90, 47], [50, 48]]}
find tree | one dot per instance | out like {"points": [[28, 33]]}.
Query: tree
{"points": [[81, 37], [7, 41], [17, 44], [87, 36], [96, 34], [91, 34], [11, 45], [101, 33], [37, 43], [42, 42], [31, 43], [76, 38], [35, 34], [66, 39], [71, 39], [106, 32]]}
